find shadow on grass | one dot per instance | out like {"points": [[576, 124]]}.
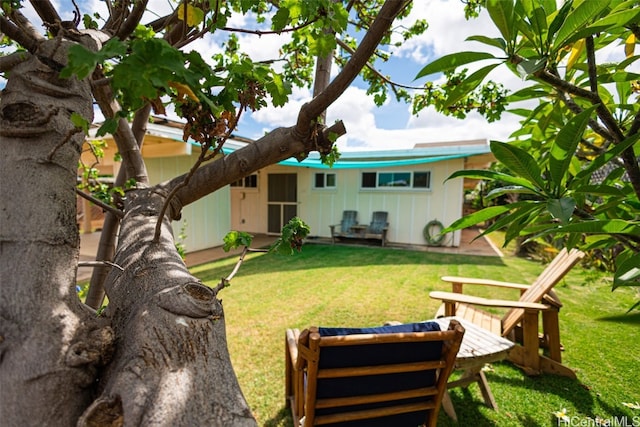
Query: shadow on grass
{"points": [[317, 256], [631, 318], [471, 415], [468, 409], [282, 418], [546, 384]]}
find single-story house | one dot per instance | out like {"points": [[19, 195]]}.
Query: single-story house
{"points": [[409, 184]]}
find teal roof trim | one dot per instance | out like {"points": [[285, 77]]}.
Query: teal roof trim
{"points": [[373, 164]]}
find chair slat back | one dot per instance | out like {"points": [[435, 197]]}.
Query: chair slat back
{"points": [[349, 219], [544, 283], [378, 222], [389, 376]]}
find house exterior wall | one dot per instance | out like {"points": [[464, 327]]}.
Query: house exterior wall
{"points": [[409, 209], [205, 221]]}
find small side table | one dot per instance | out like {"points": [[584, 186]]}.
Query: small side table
{"points": [[358, 230], [478, 348]]}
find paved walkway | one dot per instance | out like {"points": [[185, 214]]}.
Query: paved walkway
{"points": [[481, 246]]}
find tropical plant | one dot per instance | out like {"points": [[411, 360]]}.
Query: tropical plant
{"points": [[576, 156]]}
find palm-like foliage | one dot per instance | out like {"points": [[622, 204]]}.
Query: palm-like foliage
{"points": [[576, 156]]}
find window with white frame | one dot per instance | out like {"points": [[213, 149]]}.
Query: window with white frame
{"points": [[250, 181], [393, 180], [324, 180]]}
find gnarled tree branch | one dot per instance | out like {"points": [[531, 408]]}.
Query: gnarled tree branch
{"points": [[132, 20], [46, 11], [26, 40]]}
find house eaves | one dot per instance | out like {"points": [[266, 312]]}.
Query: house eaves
{"points": [[421, 153]]}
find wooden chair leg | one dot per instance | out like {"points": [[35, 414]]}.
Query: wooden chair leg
{"points": [[551, 329], [530, 342], [447, 406], [487, 395]]}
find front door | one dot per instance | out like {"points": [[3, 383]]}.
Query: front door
{"points": [[245, 203], [283, 200]]}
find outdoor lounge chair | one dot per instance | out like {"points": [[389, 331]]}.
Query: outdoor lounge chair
{"points": [[349, 220], [378, 227], [520, 323], [387, 376]]}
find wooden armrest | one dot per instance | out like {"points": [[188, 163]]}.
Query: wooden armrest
{"points": [[487, 282], [467, 299], [292, 344]]}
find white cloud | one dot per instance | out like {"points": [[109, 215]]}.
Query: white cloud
{"points": [[447, 32]]}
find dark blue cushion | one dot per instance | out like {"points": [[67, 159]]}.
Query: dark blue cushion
{"points": [[387, 329], [378, 354]]}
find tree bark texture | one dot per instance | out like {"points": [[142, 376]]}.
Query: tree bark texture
{"points": [[50, 345], [171, 366]]}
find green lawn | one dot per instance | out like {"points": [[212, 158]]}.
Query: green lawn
{"points": [[366, 286]]}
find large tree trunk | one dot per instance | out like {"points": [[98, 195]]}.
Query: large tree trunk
{"points": [[171, 366], [50, 345]]}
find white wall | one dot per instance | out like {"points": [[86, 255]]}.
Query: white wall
{"points": [[208, 220], [409, 209]]}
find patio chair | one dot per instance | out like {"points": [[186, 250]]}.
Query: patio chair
{"points": [[349, 220], [520, 323], [378, 227], [387, 376]]}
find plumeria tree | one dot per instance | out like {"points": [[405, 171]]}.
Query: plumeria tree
{"points": [[575, 159], [157, 355]]}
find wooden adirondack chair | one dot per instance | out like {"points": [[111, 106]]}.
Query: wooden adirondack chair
{"points": [[349, 220], [520, 323], [378, 227], [374, 377]]}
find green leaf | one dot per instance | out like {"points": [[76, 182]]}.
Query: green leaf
{"points": [[599, 190], [559, 19], [279, 90], [610, 226], [617, 19], [562, 209], [236, 239], [451, 62], [82, 61], [564, 147], [628, 273], [577, 19], [609, 22], [493, 176], [293, 234], [468, 85], [109, 126], [519, 162], [280, 19], [476, 218], [512, 189], [495, 42], [521, 213], [80, 122], [503, 16]]}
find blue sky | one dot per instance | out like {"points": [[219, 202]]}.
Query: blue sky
{"points": [[369, 127]]}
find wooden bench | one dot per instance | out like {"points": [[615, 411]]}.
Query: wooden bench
{"points": [[349, 227]]}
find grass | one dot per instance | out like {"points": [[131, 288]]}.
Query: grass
{"points": [[366, 286]]}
